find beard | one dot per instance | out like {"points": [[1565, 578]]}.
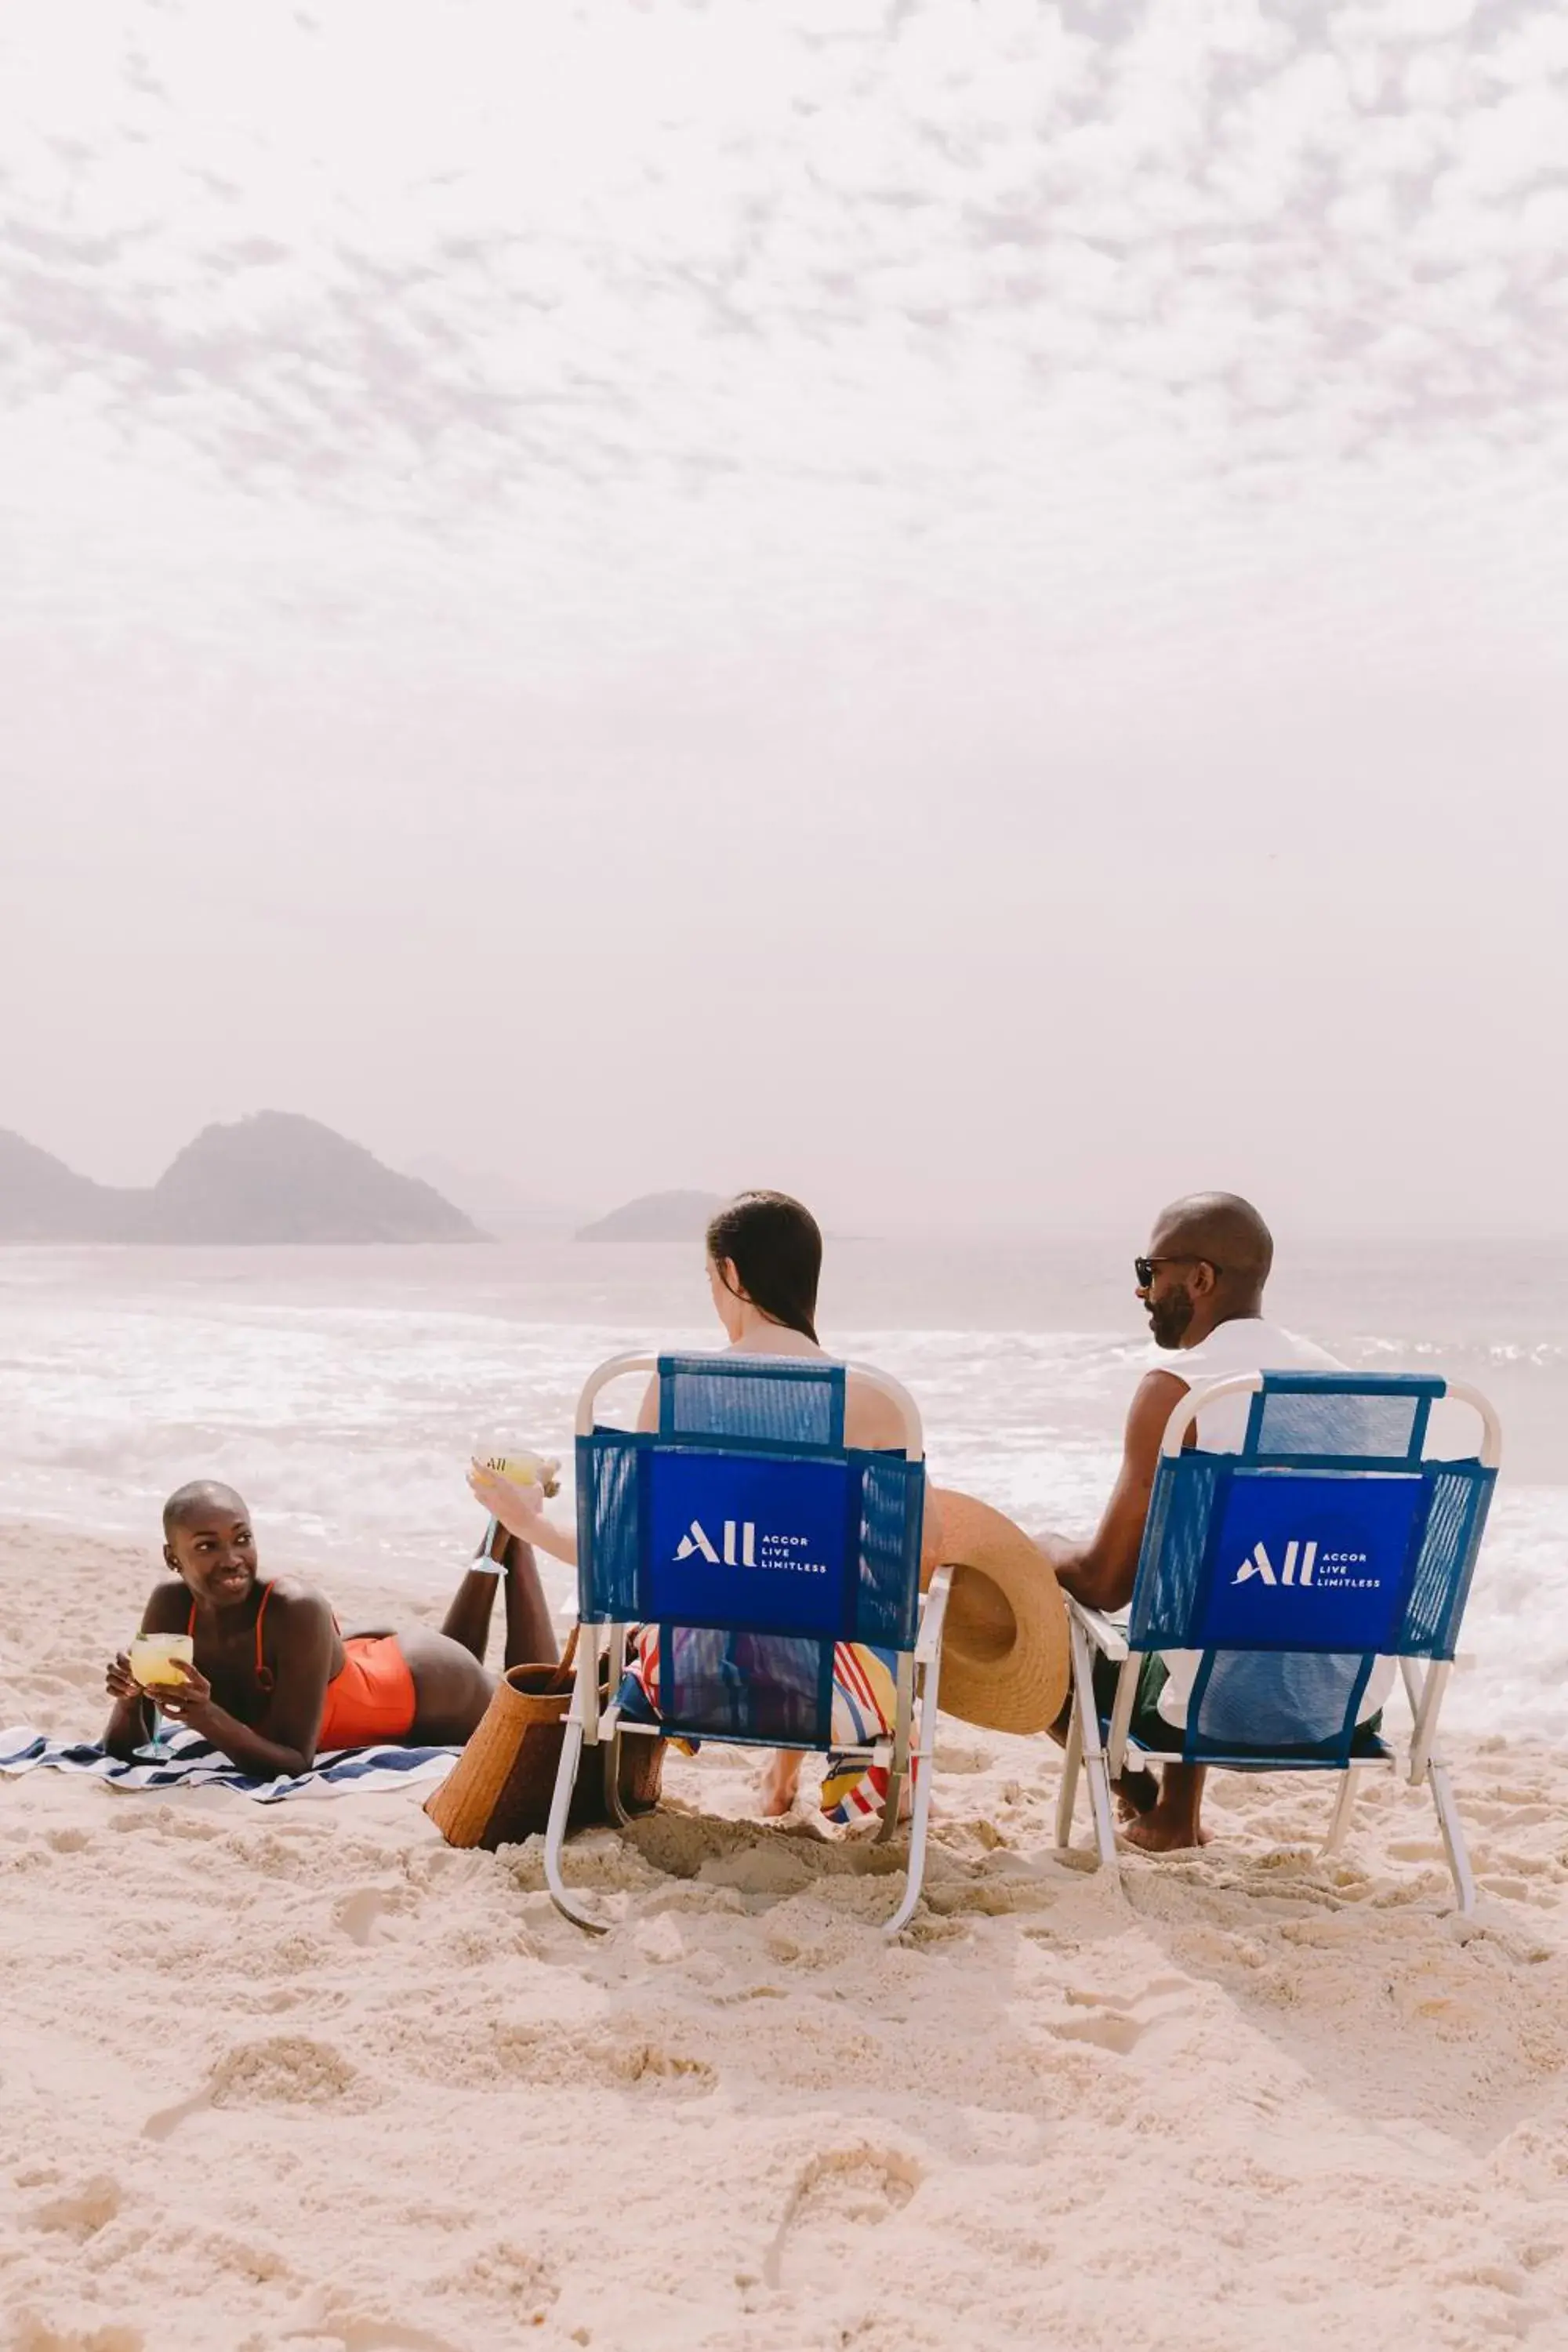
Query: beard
{"points": [[1169, 1316]]}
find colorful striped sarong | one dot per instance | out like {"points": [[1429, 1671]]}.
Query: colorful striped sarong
{"points": [[864, 1703]]}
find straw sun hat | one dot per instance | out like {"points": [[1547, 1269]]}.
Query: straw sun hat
{"points": [[1005, 1644]]}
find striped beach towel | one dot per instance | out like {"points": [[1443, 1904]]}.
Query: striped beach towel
{"points": [[194, 1763]]}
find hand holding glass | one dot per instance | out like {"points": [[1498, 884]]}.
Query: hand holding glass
{"points": [[156, 1660], [153, 1658], [540, 1470]]}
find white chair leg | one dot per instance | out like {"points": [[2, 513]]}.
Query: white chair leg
{"points": [[609, 1730], [914, 1877], [1095, 1772], [1122, 1716], [1454, 1844], [925, 1768], [903, 1734], [555, 1830], [1072, 1764], [1345, 1806]]}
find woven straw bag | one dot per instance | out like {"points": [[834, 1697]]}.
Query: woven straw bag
{"points": [[499, 1790]]}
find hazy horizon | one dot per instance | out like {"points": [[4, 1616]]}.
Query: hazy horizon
{"points": [[486, 1192], [958, 610]]}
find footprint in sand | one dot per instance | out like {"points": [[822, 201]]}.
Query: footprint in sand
{"points": [[644, 2062], [84, 2212], [35, 2334], [1115, 2022], [532, 2054], [1121, 2034], [169, 2120], [68, 1841], [286, 2070], [839, 2192], [357, 1914], [369, 1914]]}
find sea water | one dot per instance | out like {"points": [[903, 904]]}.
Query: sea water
{"points": [[343, 1391]]}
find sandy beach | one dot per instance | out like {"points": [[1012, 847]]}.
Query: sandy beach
{"points": [[302, 2076]]}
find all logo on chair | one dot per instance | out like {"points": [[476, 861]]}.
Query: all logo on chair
{"points": [[778, 1551], [1300, 1564]]}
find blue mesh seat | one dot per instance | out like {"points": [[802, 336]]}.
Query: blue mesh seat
{"points": [[1330, 1540], [754, 1540]]}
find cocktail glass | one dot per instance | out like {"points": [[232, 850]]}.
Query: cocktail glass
{"points": [[152, 1658], [524, 1469]]}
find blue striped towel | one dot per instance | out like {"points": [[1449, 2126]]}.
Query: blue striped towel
{"points": [[196, 1764]]}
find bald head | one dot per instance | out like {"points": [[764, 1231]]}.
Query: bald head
{"points": [[1210, 1255], [202, 1498], [1223, 1231]]}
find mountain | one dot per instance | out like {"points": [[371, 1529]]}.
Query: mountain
{"points": [[274, 1177], [42, 1199], [656, 1217], [277, 1176]]}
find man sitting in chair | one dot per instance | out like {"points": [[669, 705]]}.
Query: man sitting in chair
{"points": [[1202, 1285]]}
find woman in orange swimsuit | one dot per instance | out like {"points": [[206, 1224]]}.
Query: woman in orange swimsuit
{"points": [[275, 1680]]}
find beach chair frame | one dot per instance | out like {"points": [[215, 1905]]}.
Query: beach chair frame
{"points": [[1097, 1750], [594, 1723]]}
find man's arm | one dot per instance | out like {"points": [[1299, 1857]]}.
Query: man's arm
{"points": [[1101, 1572], [285, 1740]]}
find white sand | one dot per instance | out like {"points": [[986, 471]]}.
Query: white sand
{"points": [[303, 2077]]}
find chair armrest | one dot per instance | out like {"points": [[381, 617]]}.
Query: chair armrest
{"points": [[1107, 1637], [932, 1615]]}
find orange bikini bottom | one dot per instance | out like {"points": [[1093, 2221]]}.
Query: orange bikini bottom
{"points": [[373, 1699]]}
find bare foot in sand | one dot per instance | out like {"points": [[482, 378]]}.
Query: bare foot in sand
{"points": [[1137, 1793], [780, 1781], [1172, 1825], [1167, 1832]]}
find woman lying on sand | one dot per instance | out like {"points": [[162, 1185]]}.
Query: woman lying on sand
{"points": [[764, 1258], [274, 1680]]}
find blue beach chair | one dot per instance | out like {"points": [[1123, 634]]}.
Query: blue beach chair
{"points": [[1327, 1542], [755, 1540]]}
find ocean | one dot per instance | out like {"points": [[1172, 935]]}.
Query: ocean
{"points": [[343, 1391]]}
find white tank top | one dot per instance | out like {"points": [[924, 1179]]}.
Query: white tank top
{"points": [[1245, 1344]]}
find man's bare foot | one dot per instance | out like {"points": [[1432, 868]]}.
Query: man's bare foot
{"points": [[1137, 1793], [780, 1782], [1162, 1832]]}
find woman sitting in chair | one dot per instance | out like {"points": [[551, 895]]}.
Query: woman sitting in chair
{"points": [[764, 1258]]}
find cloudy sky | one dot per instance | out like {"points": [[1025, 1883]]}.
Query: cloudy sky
{"points": [[961, 608]]}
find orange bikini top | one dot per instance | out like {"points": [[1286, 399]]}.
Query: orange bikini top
{"points": [[264, 1674], [264, 1677]]}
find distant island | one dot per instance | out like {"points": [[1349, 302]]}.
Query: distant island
{"points": [[656, 1217], [274, 1177]]}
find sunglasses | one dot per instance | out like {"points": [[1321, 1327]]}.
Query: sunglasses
{"points": [[1144, 1267]]}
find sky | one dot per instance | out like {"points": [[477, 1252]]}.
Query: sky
{"points": [[960, 608]]}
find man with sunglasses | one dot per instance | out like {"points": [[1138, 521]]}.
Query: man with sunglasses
{"points": [[1202, 1285]]}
